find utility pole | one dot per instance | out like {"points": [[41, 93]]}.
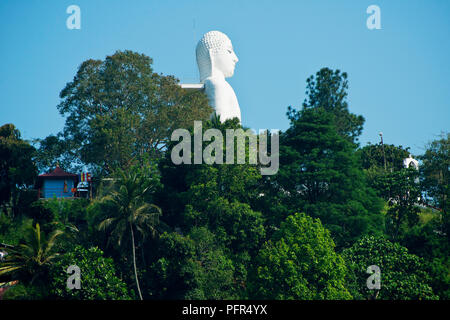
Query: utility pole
{"points": [[382, 147]]}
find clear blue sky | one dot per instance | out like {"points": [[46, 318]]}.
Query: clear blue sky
{"points": [[399, 76]]}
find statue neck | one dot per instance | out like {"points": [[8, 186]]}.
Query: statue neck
{"points": [[217, 74], [208, 70]]}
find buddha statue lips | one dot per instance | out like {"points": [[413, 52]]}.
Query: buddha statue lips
{"points": [[216, 61]]}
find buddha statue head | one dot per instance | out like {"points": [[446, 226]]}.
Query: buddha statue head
{"points": [[215, 55]]}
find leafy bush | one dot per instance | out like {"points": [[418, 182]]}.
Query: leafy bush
{"points": [[98, 277], [299, 262], [403, 275]]}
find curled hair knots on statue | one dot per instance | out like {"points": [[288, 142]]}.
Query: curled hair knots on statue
{"points": [[212, 42]]}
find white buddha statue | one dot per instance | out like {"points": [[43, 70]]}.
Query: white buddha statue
{"points": [[216, 61]]}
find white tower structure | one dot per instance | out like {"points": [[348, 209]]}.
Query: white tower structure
{"points": [[410, 162]]}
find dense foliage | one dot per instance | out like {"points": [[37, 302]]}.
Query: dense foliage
{"points": [[118, 110], [403, 276], [320, 174], [157, 230], [299, 262], [98, 281], [17, 170]]}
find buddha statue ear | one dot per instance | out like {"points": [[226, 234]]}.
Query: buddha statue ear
{"points": [[211, 62], [204, 63], [213, 69]]}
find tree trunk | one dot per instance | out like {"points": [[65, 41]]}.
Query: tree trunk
{"points": [[134, 261]]}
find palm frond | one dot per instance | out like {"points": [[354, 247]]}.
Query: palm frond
{"points": [[106, 224], [8, 269]]}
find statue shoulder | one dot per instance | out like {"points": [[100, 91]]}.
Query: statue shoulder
{"points": [[217, 86], [215, 82], [222, 97]]}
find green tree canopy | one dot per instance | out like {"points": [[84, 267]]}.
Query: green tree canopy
{"points": [[219, 198], [429, 241], [192, 267], [131, 213], [435, 172], [216, 196], [403, 275], [402, 190], [51, 152], [320, 175], [299, 262], [328, 90], [118, 109], [97, 277], [373, 155], [17, 169]]}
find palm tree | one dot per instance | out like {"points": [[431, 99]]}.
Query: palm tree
{"points": [[34, 254], [215, 120], [131, 212]]}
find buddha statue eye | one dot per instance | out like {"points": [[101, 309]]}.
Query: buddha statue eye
{"points": [[230, 51]]}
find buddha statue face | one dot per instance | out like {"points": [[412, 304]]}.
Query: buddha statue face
{"points": [[215, 55]]}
